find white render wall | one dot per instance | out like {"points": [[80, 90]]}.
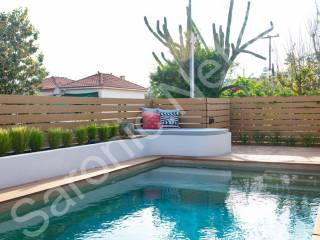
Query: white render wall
{"points": [[26, 168], [104, 93], [115, 93]]}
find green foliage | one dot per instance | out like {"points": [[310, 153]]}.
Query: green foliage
{"points": [[67, 137], [36, 139], [275, 139], [214, 66], [5, 142], [54, 137], [114, 130], [245, 87], [291, 141], [92, 132], [259, 138], [309, 140], [302, 75], [244, 138], [19, 139], [81, 135], [126, 129], [22, 67], [104, 132]]}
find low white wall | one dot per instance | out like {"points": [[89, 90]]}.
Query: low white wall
{"points": [[25, 168]]}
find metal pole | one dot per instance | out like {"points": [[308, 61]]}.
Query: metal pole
{"points": [[191, 66], [270, 49], [270, 53]]}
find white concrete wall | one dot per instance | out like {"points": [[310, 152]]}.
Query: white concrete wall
{"points": [[114, 93], [25, 168]]}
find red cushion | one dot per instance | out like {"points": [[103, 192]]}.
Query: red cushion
{"points": [[151, 120]]}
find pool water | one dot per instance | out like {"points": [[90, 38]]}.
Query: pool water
{"points": [[183, 203]]}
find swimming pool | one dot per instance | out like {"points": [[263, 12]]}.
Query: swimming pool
{"points": [[185, 203]]}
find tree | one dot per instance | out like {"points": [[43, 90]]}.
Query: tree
{"points": [[225, 52], [257, 88], [167, 82], [21, 64], [302, 75]]}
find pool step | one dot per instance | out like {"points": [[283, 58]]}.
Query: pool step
{"points": [[189, 178]]}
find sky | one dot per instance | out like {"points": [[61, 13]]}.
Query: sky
{"points": [[80, 37]]}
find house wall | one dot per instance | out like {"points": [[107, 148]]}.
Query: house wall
{"points": [[103, 93], [114, 93]]}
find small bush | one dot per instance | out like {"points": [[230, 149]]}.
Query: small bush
{"points": [[19, 139], [309, 140], [54, 137], [67, 137], [114, 130], [126, 129], [244, 138], [5, 142], [81, 135], [104, 132], [291, 141], [259, 138], [36, 139], [92, 132], [275, 139]]}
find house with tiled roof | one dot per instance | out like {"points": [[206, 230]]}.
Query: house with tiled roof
{"points": [[100, 85], [50, 85]]}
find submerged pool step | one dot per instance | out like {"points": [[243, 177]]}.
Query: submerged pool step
{"points": [[190, 178]]}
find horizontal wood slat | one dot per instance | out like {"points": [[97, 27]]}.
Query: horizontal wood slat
{"points": [[288, 116]]}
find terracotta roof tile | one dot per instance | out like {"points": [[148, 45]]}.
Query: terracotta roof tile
{"points": [[104, 81], [53, 82]]}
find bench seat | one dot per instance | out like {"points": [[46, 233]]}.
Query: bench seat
{"points": [[183, 131]]}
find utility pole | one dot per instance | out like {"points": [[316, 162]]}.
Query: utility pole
{"points": [[271, 72], [191, 57]]}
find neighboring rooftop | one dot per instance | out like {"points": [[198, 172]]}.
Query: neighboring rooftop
{"points": [[103, 80], [52, 83]]}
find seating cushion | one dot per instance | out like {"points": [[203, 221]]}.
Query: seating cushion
{"points": [[151, 120], [183, 131], [169, 118]]}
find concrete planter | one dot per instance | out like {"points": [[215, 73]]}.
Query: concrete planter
{"points": [[26, 168]]}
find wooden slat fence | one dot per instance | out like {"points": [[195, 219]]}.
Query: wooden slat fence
{"points": [[288, 116], [66, 112]]}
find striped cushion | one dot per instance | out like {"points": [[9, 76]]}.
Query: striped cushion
{"points": [[169, 118]]}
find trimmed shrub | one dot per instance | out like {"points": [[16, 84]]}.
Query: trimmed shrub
{"points": [[92, 133], [5, 142], [259, 138], [244, 138], [19, 139], [126, 129], [67, 137], [309, 141], [275, 139], [114, 130], [54, 137], [81, 135], [104, 132], [36, 139], [291, 141]]}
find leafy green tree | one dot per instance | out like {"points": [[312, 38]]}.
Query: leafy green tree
{"points": [[257, 88], [167, 82], [302, 75], [225, 52], [21, 64]]}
